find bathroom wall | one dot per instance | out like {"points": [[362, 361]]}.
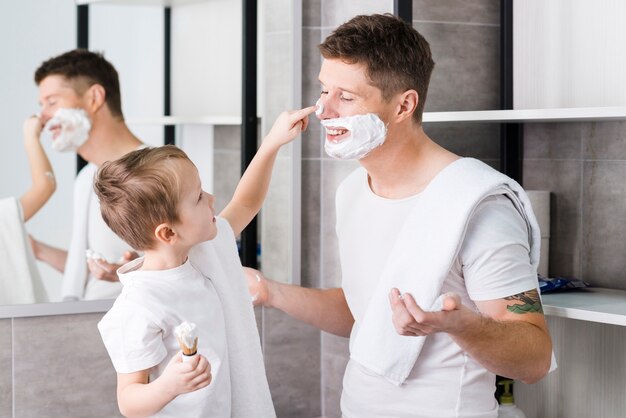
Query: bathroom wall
{"points": [[55, 367], [464, 38]]}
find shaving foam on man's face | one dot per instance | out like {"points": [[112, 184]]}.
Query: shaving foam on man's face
{"points": [[69, 129], [353, 137]]}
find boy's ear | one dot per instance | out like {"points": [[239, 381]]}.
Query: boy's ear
{"points": [[407, 106], [165, 234]]}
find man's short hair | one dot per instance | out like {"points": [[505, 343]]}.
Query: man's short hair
{"points": [[81, 65], [396, 57], [140, 191]]}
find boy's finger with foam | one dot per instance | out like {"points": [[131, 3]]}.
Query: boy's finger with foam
{"points": [[319, 107]]}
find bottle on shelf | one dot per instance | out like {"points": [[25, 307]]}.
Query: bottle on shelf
{"points": [[507, 408]]}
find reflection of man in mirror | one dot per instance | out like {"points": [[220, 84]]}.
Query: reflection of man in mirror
{"points": [[438, 253], [80, 101]]}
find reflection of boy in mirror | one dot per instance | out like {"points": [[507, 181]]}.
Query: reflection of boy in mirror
{"points": [[411, 358], [19, 278], [82, 87], [190, 271]]}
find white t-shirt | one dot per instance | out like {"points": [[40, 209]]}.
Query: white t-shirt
{"points": [[138, 332], [101, 239], [493, 263]]}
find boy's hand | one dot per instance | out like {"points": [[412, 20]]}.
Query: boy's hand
{"points": [[257, 286], [179, 377], [288, 125], [32, 129]]}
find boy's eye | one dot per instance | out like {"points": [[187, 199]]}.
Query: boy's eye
{"points": [[345, 98]]}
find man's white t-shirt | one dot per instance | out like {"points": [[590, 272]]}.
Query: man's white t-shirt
{"points": [[138, 332], [101, 239], [493, 263]]}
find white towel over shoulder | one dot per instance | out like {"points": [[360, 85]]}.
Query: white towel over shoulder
{"points": [[423, 255], [19, 277], [218, 260]]}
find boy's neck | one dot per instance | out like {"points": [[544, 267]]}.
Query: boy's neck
{"points": [[164, 259]]}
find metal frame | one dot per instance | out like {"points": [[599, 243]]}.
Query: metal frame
{"points": [[82, 41], [169, 131], [249, 123], [403, 9], [511, 134]]}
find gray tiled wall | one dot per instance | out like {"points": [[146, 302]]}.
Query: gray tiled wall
{"points": [[6, 371], [55, 367], [584, 166]]}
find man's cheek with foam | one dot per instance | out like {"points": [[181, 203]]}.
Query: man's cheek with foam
{"points": [[353, 137], [69, 129]]}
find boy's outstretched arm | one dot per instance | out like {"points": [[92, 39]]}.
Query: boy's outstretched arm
{"points": [[252, 187], [40, 170]]}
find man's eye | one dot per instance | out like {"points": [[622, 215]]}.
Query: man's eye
{"points": [[346, 99], [324, 92]]}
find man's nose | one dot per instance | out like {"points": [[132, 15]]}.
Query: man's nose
{"points": [[45, 114], [328, 108]]}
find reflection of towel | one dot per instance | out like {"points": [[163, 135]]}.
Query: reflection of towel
{"points": [[423, 255], [75, 275], [19, 278], [219, 261]]}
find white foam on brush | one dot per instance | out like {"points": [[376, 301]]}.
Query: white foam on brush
{"points": [[186, 333]]}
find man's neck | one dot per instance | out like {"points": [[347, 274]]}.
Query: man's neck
{"points": [[405, 164], [108, 140]]}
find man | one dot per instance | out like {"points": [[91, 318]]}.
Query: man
{"points": [[74, 81], [417, 222]]}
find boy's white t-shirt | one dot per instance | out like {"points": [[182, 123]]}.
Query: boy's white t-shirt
{"points": [[138, 332], [493, 263]]}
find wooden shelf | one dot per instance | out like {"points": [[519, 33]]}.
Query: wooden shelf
{"points": [[579, 114], [176, 120], [607, 306]]}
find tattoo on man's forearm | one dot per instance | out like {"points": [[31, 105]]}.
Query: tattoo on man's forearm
{"points": [[527, 302]]}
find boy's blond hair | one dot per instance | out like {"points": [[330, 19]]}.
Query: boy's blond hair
{"points": [[140, 191]]}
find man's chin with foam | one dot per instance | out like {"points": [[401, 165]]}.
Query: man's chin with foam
{"points": [[353, 137], [69, 129]]}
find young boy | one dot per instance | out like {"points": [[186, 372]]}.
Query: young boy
{"points": [[152, 199]]}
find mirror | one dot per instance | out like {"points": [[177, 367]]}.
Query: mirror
{"points": [[206, 86]]}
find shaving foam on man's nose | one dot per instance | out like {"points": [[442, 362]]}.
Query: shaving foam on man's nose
{"points": [[366, 132], [71, 127], [320, 107]]}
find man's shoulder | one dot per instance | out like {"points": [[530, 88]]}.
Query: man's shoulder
{"points": [[86, 174]]}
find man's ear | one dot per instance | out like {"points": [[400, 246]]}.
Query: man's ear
{"points": [[96, 97], [407, 105], [165, 233]]}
